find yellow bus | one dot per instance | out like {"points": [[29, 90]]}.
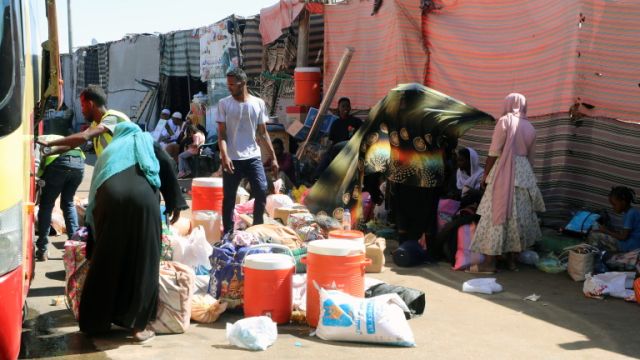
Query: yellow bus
{"points": [[23, 99]]}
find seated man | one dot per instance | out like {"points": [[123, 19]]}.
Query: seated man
{"points": [[341, 131], [169, 135], [164, 117]]}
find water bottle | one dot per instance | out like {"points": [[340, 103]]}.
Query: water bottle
{"points": [[346, 220]]}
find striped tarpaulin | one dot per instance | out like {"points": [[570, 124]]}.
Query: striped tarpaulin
{"points": [[557, 53], [388, 48], [180, 53], [251, 44], [577, 162]]}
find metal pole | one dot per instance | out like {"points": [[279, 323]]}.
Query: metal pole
{"points": [[70, 33]]}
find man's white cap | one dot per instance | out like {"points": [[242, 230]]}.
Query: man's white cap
{"points": [[166, 112], [177, 115]]}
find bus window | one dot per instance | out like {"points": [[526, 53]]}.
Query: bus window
{"points": [[10, 86]]}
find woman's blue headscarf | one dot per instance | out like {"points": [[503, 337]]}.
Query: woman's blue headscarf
{"points": [[130, 146]]}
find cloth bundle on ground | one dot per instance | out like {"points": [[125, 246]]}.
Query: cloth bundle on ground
{"points": [[176, 288], [206, 309], [413, 298], [276, 234], [623, 261], [378, 319]]}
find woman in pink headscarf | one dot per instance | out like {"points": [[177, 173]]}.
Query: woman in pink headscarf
{"points": [[508, 223]]}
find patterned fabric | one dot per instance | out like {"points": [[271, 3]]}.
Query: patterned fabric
{"points": [[521, 228], [177, 284], [76, 268], [405, 138]]}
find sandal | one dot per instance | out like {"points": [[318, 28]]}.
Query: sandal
{"points": [[475, 269], [144, 336]]}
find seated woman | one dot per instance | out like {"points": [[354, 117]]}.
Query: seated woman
{"points": [[626, 242], [469, 174]]}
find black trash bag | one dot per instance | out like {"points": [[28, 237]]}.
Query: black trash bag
{"points": [[413, 298]]}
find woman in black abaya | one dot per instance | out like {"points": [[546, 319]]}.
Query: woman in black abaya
{"points": [[124, 215]]}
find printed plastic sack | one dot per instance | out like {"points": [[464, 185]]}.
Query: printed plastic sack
{"points": [[206, 309], [610, 283], [227, 279], [379, 319], [75, 253], [482, 286], [253, 333], [73, 287], [176, 287]]}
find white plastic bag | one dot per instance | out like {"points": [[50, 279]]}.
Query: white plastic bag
{"points": [[253, 333], [275, 201], [377, 320], [482, 285], [193, 251], [609, 283]]}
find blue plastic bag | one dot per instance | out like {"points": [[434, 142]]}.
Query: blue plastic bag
{"points": [[582, 222]]}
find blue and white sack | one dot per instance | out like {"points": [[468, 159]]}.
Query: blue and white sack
{"points": [[378, 320]]}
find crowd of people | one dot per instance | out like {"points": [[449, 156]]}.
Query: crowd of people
{"points": [[134, 168]]}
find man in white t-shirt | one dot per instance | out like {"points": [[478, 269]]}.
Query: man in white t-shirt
{"points": [[241, 124]]}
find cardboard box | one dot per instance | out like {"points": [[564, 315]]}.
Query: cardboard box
{"points": [[282, 213]]}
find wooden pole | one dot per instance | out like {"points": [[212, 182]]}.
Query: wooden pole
{"points": [[303, 39], [326, 100]]}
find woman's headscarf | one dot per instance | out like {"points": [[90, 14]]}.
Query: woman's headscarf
{"points": [[515, 109], [472, 180], [130, 146]]}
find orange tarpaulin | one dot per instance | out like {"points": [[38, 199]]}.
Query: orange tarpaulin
{"points": [[557, 53], [388, 48]]}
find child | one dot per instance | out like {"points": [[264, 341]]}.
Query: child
{"points": [[625, 242]]}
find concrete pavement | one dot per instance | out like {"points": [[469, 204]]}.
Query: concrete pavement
{"points": [[562, 324]]}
